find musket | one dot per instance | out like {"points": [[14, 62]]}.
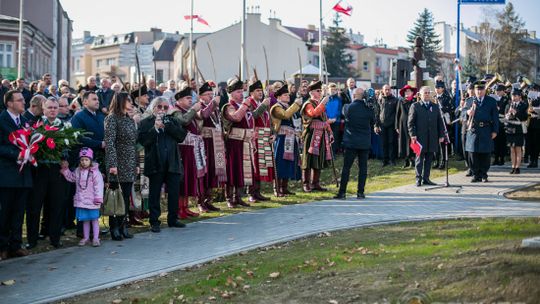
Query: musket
{"points": [[300, 64], [213, 62], [267, 83], [138, 64]]}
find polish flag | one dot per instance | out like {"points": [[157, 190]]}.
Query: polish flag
{"points": [[344, 8], [187, 17], [201, 20]]}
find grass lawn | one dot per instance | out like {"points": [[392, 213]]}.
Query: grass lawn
{"points": [[470, 260], [379, 178]]}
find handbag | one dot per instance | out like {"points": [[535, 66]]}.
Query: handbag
{"points": [[113, 203]]}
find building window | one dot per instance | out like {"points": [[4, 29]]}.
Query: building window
{"points": [[378, 62], [366, 66], [111, 61], [7, 54], [159, 75], [78, 64], [99, 62]]}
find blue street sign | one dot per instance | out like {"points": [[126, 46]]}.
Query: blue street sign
{"points": [[483, 1]]}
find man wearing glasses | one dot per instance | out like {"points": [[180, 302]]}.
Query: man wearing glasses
{"points": [[14, 185]]}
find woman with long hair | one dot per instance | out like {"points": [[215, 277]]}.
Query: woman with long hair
{"points": [[120, 156]]}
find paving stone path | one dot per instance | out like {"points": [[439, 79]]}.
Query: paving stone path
{"points": [[72, 271]]}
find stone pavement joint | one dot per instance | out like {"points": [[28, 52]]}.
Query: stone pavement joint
{"points": [[59, 274]]}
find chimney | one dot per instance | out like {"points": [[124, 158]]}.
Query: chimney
{"points": [[311, 27], [532, 34], [274, 22]]}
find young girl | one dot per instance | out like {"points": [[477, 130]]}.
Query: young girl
{"points": [[88, 195]]}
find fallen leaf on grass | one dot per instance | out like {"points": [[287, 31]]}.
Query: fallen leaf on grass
{"points": [[117, 301], [212, 298], [8, 282], [249, 273], [440, 266], [180, 297], [246, 287], [333, 302], [231, 282], [163, 274], [274, 275]]}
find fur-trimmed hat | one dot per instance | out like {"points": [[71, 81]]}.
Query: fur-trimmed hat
{"points": [[183, 93], [255, 85], [315, 85], [207, 86], [283, 90], [135, 93], [234, 84]]}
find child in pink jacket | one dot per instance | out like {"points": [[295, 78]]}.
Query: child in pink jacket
{"points": [[88, 195]]}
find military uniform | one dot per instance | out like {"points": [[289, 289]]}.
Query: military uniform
{"points": [[500, 140], [447, 107], [533, 134], [479, 143]]}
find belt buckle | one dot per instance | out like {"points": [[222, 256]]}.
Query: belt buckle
{"points": [[481, 124]]}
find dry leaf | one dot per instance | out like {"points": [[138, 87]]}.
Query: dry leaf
{"points": [[440, 266], [402, 268], [180, 297], [333, 302], [331, 264], [246, 287], [226, 295], [8, 282], [212, 298], [274, 275], [239, 278], [249, 273], [117, 301]]}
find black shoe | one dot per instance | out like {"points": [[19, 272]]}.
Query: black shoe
{"points": [[155, 228], [533, 165], [476, 180], [517, 171], [407, 164], [485, 180], [116, 235], [177, 224], [42, 237], [428, 182], [340, 196], [513, 171], [442, 166], [385, 164], [436, 165], [57, 245], [418, 183], [30, 246], [360, 196], [469, 173]]}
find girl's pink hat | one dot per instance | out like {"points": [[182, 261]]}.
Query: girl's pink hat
{"points": [[86, 152]]}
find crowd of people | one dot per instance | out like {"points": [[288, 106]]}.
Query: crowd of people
{"points": [[188, 140]]}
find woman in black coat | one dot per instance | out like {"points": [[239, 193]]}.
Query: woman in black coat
{"points": [[408, 97], [160, 135]]}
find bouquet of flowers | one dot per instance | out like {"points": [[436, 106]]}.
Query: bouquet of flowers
{"points": [[44, 142]]}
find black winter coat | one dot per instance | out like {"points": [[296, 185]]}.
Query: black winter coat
{"points": [[427, 125], [11, 177], [148, 138], [359, 121]]}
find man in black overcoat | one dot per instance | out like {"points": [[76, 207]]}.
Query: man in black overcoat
{"points": [[425, 127]]}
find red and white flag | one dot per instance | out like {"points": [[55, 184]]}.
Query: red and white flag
{"points": [[196, 17], [343, 7]]}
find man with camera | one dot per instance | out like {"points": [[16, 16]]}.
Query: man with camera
{"points": [[160, 135]]}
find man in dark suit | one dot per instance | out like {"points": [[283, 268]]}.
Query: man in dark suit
{"points": [[426, 128], [347, 94], [359, 122], [14, 185], [484, 128], [35, 109]]}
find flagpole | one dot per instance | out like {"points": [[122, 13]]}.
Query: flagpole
{"points": [[19, 61], [458, 80], [320, 41], [243, 42], [191, 46]]}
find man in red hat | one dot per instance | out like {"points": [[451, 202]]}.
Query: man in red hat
{"points": [[238, 127], [263, 169], [317, 136]]}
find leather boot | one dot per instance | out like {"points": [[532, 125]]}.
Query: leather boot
{"points": [[285, 187], [407, 163], [182, 214], [229, 197], [315, 185], [278, 190], [134, 220], [252, 192], [238, 198], [258, 194], [186, 206], [124, 227], [115, 229], [208, 201], [306, 177], [201, 205]]}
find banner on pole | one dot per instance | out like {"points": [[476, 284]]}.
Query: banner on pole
{"points": [[483, 1]]}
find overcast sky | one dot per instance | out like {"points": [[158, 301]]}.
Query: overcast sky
{"points": [[375, 19]]}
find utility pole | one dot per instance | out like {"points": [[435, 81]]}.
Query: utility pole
{"points": [[320, 42], [21, 22], [243, 42]]}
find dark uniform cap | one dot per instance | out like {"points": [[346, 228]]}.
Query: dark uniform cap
{"points": [[183, 93], [440, 84], [135, 93], [499, 87], [480, 85], [255, 85], [315, 85], [281, 91], [516, 91], [207, 86], [235, 85], [471, 79]]}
